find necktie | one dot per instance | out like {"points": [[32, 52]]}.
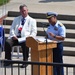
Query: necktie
{"points": [[20, 29], [22, 21]]}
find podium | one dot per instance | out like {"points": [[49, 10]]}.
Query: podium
{"points": [[39, 53]]}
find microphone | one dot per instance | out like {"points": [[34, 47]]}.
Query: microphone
{"points": [[44, 25]]}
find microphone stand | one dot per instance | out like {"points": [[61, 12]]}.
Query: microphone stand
{"points": [[46, 42], [46, 46]]}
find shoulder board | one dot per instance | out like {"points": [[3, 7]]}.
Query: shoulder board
{"points": [[60, 24]]}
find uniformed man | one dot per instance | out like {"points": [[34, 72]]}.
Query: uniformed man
{"points": [[56, 31]]}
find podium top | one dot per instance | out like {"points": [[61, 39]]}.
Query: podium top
{"points": [[43, 40], [37, 43]]}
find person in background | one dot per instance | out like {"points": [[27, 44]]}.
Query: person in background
{"points": [[22, 27], [2, 39], [56, 31]]}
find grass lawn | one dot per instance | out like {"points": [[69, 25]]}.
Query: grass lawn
{"points": [[3, 2]]}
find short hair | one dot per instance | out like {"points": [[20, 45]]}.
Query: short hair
{"points": [[21, 6]]}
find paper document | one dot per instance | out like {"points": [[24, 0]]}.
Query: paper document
{"points": [[20, 40], [43, 39]]}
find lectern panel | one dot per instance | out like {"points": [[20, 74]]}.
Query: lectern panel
{"points": [[41, 52]]}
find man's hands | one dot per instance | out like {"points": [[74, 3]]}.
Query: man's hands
{"points": [[51, 34], [14, 38], [57, 37]]}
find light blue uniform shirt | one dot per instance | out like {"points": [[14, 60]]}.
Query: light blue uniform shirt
{"points": [[58, 29]]}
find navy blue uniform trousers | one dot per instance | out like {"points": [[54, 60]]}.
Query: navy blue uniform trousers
{"points": [[58, 58]]}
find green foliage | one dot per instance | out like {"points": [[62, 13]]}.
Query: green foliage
{"points": [[2, 2]]}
